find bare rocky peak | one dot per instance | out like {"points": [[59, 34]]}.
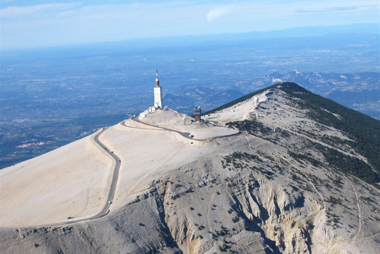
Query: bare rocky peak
{"points": [[259, 176]]}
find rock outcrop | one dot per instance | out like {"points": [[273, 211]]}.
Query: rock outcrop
{"points": [[267, 187]]}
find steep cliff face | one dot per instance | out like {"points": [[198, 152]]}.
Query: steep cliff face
{"points": [[272, 188], [205, 208]]}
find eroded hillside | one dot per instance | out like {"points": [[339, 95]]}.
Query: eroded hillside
{"points": [[260, 176]]}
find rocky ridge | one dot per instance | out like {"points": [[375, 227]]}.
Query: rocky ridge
{"points": [[270, 189]]}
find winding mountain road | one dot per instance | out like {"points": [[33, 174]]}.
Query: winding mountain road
{"points": [[115, 177], [184, 134], [111, 194], [116, 170]]}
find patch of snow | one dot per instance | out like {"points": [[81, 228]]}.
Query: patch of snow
{"points": [[276, 80], [336, 115], [297, 72]]}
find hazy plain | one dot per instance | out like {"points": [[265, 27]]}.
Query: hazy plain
{"points": [[52, 96]]}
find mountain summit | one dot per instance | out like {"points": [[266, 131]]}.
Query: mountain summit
{"points": [[281, 170]]}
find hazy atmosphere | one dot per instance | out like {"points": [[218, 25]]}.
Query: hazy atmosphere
{"points": [[69, 68], [190, 127], [39, 23]]}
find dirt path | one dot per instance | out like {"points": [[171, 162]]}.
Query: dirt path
{"points": [[369, 237], [315, 188], [249, 144], [208, 211], [324, 144], [360, 216], [317, 191]]}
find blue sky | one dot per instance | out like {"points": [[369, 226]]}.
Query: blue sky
{"points": [[38, 23]]}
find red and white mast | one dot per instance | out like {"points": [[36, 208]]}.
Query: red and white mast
{"points": [[157, 93], [157, 81]]}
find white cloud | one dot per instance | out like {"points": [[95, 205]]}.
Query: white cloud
{"points": [[34, 10], [85, 21], [218, 12]]}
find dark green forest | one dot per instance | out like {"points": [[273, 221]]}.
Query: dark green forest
{"points": [[364, 130]]}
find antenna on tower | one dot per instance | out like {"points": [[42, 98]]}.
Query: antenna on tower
{"points": [[157, 81]]}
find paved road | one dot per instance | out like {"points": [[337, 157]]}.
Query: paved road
{"points": [[111, 194], [184, 134], [115, 177]]}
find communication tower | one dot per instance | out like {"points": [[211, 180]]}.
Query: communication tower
{"points": [[157, 93]]}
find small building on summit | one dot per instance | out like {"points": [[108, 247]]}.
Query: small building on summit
{"points": [[197, 114]]}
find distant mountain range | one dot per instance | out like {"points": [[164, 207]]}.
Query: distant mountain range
{"points": [[360, 91]]}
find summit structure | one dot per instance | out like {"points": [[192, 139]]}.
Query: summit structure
{"points": [[197, 114], [157, 93], [157, 99], [280, 170]]}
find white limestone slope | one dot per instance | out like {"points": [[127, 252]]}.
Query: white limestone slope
{"points": [[68, 182], [240, 111], [243, 193], [73, 181], [276, 111], [149, 152]]}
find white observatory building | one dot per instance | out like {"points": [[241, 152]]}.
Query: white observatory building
{"points": [[157, 99]]}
